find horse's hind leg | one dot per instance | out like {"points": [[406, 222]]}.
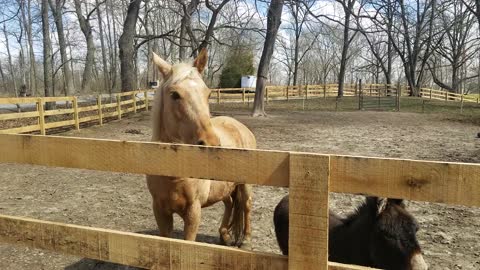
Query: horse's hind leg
{"points": [[247, 215], [164, 221], [191, 219], [225, 237]]}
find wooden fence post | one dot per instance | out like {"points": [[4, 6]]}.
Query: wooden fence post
{"points": [[75, 113], [308, 212], [100, 111], [306, 91], [243, 95], [41, 116], [324, 91], [446, 95], [119, 107], [287, 93], [134, 97], [146, 100], [430, 93], [218, 96]]}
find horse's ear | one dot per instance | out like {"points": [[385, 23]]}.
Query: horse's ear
{"points": [[161, 64], [201, 61]]}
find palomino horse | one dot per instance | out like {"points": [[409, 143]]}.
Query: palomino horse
{"points": [[181, 115], [380, 233]]}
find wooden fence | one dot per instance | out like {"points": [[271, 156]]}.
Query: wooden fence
{"points": [[74, 111], [310, 178], [446, 96]]}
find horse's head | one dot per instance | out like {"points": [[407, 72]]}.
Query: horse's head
{"points": [[181, 112], [394, 242]]}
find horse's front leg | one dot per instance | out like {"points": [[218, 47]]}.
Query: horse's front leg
{"points": [[164, 220], [191, 219], [247, 217]]}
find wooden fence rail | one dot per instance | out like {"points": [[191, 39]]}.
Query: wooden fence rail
{"points": [[310, 178], [83, 109], [96, 109]]}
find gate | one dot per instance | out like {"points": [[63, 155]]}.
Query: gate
{"points": [[379, 97]]}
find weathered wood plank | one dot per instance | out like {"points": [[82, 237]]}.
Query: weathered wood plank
{"points": [[89, 118], [340, 266], [88, 108], [442, 182], [18, 100], [58, 111], [20, 129], [59, 124], [8, 116], [308, 211], [236, 165], [132, 249]]}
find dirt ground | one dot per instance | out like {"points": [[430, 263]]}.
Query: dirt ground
{"points": [[449, 235]]}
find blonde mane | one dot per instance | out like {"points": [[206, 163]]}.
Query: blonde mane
{"points": [[178, 73]]}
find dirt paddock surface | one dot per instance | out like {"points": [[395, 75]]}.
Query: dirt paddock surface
{"points": [[449, 235]]}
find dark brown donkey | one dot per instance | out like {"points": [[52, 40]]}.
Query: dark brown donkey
{"points": [[380, 233]]}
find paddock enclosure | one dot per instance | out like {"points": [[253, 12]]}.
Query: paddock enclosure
{"points": [[119, 201], [76, 111]]}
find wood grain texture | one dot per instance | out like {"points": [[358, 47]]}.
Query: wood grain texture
{"points": [[236, 165], [308, 211], [8, 116], [59, 124], [20, 129], [132, 249], [58, 112], [441, 182]]}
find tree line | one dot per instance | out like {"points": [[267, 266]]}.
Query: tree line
{"points": [[66, 47]]}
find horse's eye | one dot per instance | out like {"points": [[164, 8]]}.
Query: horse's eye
{"points": [[175, 95]]}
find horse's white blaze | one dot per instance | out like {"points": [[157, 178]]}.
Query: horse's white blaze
{"points": [[418, 263]]}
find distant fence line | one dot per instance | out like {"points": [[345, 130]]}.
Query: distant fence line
{"points": [[72, 111]]}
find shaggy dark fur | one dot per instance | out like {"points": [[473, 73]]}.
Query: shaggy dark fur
{"points": [[375, 235]]}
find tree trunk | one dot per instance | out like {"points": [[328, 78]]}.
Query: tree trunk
{"points": [[127, 49], [4, 83], [47, 55], [10, 63], [274, 20], [87, 32], [106, 80], [58, 16], [112, 46], [27, 20], [346, 43]]}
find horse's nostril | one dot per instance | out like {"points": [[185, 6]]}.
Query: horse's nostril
{"points": [[201, 142]]}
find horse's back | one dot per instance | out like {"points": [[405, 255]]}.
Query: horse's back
{"points": [[232, 133]]}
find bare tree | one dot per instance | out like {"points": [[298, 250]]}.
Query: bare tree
{"points": [[47, 55], [456, 44], [274, 19], [57, 11], [87, 31], [127, 48]]}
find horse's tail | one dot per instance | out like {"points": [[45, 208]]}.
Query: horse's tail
{"points": [[241, 208]]}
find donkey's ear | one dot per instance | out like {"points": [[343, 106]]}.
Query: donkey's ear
{"points": [[398, 202], [201, 61], [161, 64], [382, 204]]}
